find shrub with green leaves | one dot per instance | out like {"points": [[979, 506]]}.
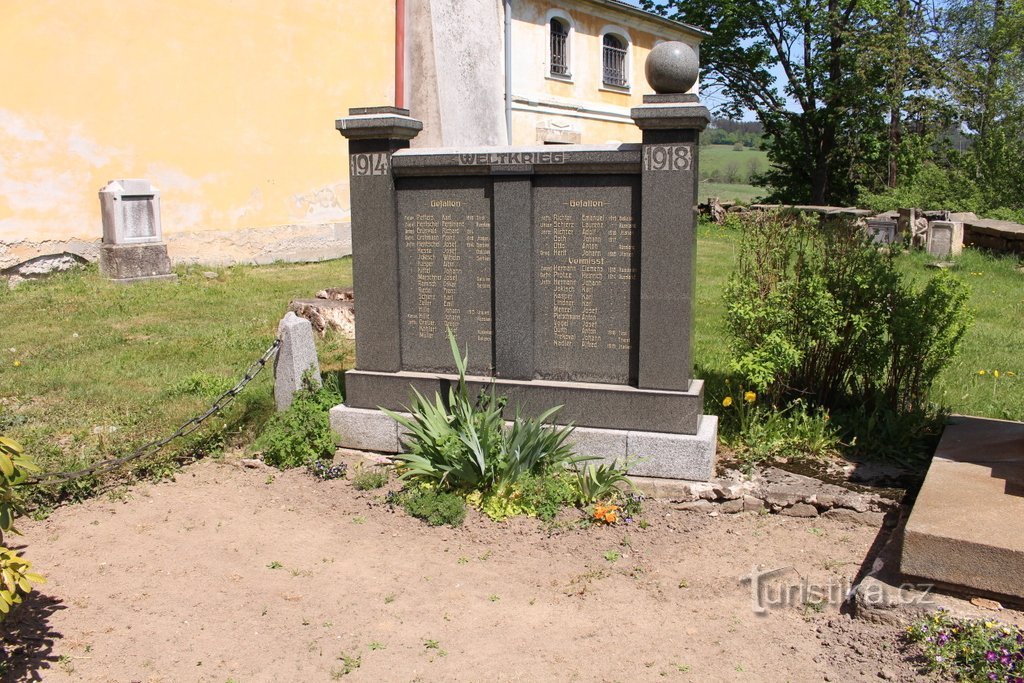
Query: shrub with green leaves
{"points": [[816, 311], [300, 435], [16, 577]]}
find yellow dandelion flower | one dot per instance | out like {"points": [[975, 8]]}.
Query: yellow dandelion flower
{"points": [[981, 372], [750, 397], [727, 401], [17, 363], [995, 373]]}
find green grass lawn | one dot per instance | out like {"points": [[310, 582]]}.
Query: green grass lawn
{"points": [[89, 369]]}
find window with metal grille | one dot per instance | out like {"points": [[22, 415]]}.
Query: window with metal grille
{"points": [[614, 61], [559, 48]]}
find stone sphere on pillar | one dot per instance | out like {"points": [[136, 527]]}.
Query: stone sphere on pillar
{"points": [[672, 67]]}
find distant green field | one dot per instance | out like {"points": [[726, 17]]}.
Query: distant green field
{"points": [[725, 172]]}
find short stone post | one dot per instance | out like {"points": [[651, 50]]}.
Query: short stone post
{"points": [[295, 357], [671, 121], [132, 249], [374, 134]]}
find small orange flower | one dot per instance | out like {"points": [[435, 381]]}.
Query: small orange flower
{"points": [[611, 517]]}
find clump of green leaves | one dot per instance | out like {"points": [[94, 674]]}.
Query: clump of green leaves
{"points": [[369, 478], [435, 507], [300, 435], [16, 577], [816, 311], [462, 445], [758, 432], [968, 650]]}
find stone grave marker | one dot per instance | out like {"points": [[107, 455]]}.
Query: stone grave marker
{"points": [[535, 258], [132, 248], [945, 238], [881, 230]]}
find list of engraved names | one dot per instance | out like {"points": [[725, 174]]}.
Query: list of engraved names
{"points": [[445, 253], [587, 274]]}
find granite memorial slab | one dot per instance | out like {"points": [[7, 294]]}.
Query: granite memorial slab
{"points": [[566, 274]]}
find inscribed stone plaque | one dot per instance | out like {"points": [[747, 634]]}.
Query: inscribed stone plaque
{"points": [[137, 217], [586, 242], [444, 260], [882, 231]]}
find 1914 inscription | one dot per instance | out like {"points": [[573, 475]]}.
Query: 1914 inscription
{"points": [[587, 287], [445, 261]]}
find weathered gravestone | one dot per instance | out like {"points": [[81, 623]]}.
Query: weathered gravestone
{"points": [[132, 248], [882, 230], [945, 238], [568, 274]]}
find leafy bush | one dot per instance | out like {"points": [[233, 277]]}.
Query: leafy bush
{"points": [[16, 579], [967, 650], [602, 482], [434, 507], [300, 435], [819, 312]]}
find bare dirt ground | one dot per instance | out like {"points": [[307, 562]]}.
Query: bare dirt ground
{"points": [[235, 574]]}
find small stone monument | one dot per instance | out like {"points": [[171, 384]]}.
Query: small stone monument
{"points": [[295, 357], [568, 273], [132, 249], [882, 230], [945, 238]]}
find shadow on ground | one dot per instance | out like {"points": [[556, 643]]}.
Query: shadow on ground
{"points": [[26, 649]]}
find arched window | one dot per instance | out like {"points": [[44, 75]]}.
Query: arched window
{"points": [[559, 47], [614, 61]]}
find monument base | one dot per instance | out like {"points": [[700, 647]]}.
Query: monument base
{"points": [[585, 404], [650, 454], [131, 263]]}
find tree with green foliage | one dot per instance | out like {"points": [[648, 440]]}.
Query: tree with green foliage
{"points": [[848, 126], [984, 55]]}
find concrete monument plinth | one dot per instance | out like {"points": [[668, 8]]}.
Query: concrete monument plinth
{"points": [[132, 249]]}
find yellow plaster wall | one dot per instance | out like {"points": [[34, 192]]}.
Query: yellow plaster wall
{"points": [[531, 69], [226, 106]]}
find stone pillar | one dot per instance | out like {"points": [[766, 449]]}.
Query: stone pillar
{"points": [[295, 358], [671, 121], [132, 248], [374, 134]]}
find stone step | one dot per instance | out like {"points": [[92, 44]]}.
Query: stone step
{"points": [[967, 527]]}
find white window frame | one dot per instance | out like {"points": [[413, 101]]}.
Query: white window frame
{"points": [[623, 35], [566, 19]]}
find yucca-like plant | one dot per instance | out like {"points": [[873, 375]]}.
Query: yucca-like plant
{"points": [[465, 445], [602, 482]]}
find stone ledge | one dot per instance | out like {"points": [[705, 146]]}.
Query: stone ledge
{"points": [[669, 456]]}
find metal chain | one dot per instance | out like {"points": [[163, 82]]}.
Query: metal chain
{"points": [[184, 430]]}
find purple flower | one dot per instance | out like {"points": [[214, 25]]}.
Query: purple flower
{"points": [[991, 656], [1004, 660], [943, 638]]}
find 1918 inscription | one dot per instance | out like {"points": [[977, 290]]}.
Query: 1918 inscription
{"points": [[587, 266], [445, 261]]}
